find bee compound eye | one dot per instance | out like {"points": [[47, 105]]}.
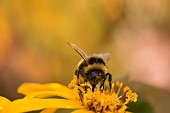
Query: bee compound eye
{"points": [[93, 72], [100, 73]]}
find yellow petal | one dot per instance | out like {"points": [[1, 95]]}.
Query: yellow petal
{"points": [[44, 94], [49, 110], [33, 104], [3, 102], [82, 111], [62, 90]]}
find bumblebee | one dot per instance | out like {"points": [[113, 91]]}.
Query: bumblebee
{"points": [[92, 69]]}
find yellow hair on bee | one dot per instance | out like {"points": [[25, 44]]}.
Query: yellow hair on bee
{"points": [[96, 66]]}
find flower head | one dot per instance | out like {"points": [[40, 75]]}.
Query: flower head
{"points": [[81, 97], [106, 100]]}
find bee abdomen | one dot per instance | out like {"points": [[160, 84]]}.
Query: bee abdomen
{"points": [[95, 60]]}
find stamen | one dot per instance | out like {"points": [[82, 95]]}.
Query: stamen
{"points": [[119, 85], [104, 100], [73, 83]]}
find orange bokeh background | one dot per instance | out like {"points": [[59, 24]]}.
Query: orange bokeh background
{"points": [[136, 33]]}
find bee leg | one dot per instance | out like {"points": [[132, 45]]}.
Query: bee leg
{"points": [[109, 79], [102, 85], [77, 74], [93, 87]]}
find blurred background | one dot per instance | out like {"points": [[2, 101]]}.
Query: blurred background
{"points": [[136, 33]]}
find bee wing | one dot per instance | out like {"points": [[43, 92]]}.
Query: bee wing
{"points": [[104, 56], [78, 50]]}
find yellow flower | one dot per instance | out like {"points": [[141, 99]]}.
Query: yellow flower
{"points": [[32, 104], [3, 103], [81, 97]]}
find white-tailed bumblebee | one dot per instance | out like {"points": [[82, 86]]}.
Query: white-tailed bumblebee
{"points": [[92, 69]]}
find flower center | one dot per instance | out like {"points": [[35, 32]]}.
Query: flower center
{"points": [[101, 101]]}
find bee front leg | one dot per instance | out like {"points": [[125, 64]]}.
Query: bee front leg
{"points": [[109, 79], [102, 85], [77, 74], [93, 87]]}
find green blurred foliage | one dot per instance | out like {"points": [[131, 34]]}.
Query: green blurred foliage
{"points": [[141, 106]]}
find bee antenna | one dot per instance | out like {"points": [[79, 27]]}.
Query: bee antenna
{"points": [[78, 50]]}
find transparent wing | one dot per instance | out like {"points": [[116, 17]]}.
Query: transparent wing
{"points": [[104, 56], [78, 50]]}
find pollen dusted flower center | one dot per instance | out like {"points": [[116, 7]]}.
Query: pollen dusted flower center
{"points": [[102, 101]]}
